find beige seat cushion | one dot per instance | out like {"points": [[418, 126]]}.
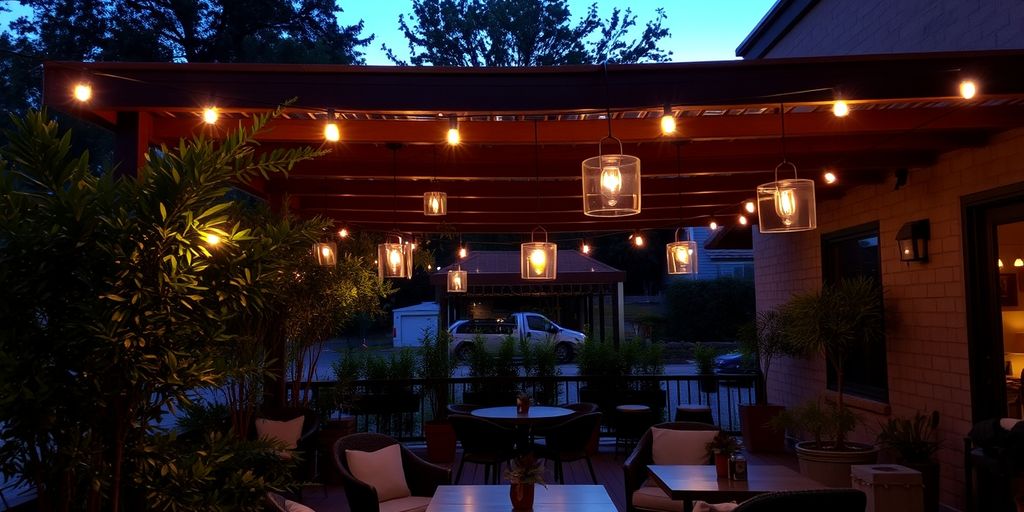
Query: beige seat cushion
{"points": [[381, 469], [653, 498], [287, 432], [287, 505], [680, 446], [407, 504], [703, 506]]}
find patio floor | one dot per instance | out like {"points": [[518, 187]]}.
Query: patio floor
{"points": [[607, 466]]}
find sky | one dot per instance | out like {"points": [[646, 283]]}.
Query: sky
{"points": [[700, 29]]}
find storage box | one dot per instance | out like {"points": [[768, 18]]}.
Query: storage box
{"points": [[889, 487]]}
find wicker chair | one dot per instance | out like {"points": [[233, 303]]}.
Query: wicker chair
{"points": [[569, 441], [832, 500], [635, 466], [306, 446], [421, 476], [483, 442]]}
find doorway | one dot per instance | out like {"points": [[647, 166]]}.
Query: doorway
{"points": [[993, 228]]}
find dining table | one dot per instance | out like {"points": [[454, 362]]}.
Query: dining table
{"points": [[523, 422], [701, 482], [495, 498]]}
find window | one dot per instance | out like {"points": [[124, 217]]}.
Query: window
{"points": [[536, 323], [849, 253]]}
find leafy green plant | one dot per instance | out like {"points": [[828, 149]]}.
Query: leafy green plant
{"points": [[545, 365], [704, 356], [722, 443], [822, 421], [764, 340], [436, 366], [833, 322], [912, 440], [525, 469]]}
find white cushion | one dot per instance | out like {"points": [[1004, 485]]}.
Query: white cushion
{"points": [[287, 505], [406, 504], [381, 469], [287, 432], [653, 498], [702, 506], [680, 446]]}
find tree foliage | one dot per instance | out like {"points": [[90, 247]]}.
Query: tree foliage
{"points": [[118, 297], [525, 33], [708, 310]]}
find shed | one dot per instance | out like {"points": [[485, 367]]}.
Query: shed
{"points": [[411, 321]]}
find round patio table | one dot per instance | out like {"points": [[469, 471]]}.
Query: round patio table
{"points": [[535, 414]]}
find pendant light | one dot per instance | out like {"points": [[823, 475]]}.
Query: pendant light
{"points": [[786, 205], [458, 280], [611, 183], [538, 260], [435, 204], [394, 258], [681, 255], [326, 253]]}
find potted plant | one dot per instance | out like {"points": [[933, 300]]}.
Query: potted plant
{"points": [[763, 340], [912, 442], [704, 357], [720, 448], [436, 368], [833, 322], [524, 472]]}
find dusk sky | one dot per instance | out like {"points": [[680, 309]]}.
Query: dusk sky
{"points": [[700, 30]]}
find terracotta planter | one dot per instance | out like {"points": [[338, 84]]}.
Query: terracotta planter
{"points": [[440, 441], [831, 467], [758, 437], [521, 496], [721, 465]]}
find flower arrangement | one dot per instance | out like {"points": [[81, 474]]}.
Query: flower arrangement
{"points": [[722, 443], [525, 469]]}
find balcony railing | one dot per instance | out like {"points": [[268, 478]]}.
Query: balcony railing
{"points": [[399, 407]]}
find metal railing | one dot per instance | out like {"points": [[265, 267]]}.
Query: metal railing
{"points": [[399, 407]]}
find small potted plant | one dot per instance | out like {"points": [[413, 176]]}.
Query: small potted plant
{"points": [[912, 442], [524, 471], [720, 448], [704, 356]]}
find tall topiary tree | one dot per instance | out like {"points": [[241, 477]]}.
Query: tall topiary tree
{"points": [[118, 295]]}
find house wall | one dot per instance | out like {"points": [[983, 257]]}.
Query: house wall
{"points": [[844, 27], [927, 340]]}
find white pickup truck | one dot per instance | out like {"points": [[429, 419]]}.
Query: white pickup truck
{"points": [[532, 326]]}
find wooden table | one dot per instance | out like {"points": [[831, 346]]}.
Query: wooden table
{"points": [[535, 414], [690, 483], [494, 498]]}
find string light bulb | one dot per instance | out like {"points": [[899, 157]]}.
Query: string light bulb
{"points": [[750, 207], [713, 226], [463, 252], [1000, 262], [840, 108], [743, 220], [585, 248], [1018, 263], [668, 121], [830, 177], [638, 239], [968, 89], [212, 239], [453, 131], [82, 92], [210, 115], [343, 233]]}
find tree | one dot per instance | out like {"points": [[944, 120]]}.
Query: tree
{"points": [[524, 33]]}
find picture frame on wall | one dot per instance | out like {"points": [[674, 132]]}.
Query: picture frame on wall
{"points": [[1007, 289]]}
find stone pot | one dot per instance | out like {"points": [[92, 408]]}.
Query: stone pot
{"points": [[521, 496], [831, 467]]}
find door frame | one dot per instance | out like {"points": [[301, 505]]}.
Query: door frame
{"points": [[981, 213]]}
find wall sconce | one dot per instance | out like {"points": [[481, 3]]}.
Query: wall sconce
{"points": [[912, 239], [538, 260], [435, 204], [681, 256], [394, 259], [326, 254], [458, 281]]}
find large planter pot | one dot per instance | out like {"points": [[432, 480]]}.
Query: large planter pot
{"points": [[831, 467], [758, 436], [440, 441]]}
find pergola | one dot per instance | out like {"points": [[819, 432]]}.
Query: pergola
{"points": [[525, 131]]}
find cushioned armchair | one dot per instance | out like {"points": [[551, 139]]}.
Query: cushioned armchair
{"points": [[305, 445], [832, 500], [649, 497], [421, 477]]}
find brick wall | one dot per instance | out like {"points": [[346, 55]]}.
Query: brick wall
{"points": [[852, 27], [927, 342]]}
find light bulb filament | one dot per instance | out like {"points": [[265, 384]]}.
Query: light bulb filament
{"points": [[394, 259], [611, 183], [785, 204]]}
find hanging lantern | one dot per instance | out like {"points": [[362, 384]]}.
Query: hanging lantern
{"points": [[611, 184], [458, 280], [435, 204], [681, 256], [538, 260], [786, 205], [394, 259], [326, 254]]}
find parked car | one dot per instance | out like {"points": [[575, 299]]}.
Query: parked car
{"points": [[532, 326], [734, 362]]}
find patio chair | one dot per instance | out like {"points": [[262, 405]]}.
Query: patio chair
{"points": [[277, 503], [483, 442], [305, 446], [832, 500], [461, 408], [642, 494], [582, 407], [421, 477], [569, 441]]}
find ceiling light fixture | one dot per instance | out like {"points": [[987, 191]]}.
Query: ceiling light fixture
{"points": [[968, 89], [538, 260], [681, 255], [82, 92], [786, 205], [611, 183], [668, 120], [331, 131], [394, 258], [326, 253], [830, 177], [840, 108], [458, 280], [453, 131], [210, 115]]}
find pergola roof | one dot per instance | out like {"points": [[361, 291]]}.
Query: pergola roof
{"points": [[526, 130], [502, 268]]}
